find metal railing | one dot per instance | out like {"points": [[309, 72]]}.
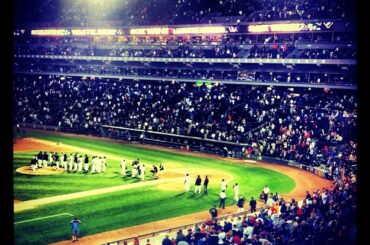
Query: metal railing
{"points": [[197, 60], [177, 135]]}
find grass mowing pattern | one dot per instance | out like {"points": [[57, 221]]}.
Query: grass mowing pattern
{"points": [[126, 208]]}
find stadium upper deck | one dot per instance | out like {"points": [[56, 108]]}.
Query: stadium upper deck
{"points": [[319, 53]]}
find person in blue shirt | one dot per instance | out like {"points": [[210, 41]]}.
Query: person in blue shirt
{"points": [[75, 227]]}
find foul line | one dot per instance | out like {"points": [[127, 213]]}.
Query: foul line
{"points": [[25, 221]]}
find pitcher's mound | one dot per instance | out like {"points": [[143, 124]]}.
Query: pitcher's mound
{"points": [[39, 171]]}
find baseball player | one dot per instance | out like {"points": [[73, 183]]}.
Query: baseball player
{"points": [[266, 191], [142, 172], [223, 185], [236, 191], [123, 167], [222, 199], [56, 159], [134, 170], [50, 159], [39, 159], [63, 161], [34, 163], [80, 163], [98, 164], [154, 172], [86, 164], [198, 183], [75, 163], [45, 159], [103, 164], [187, 183], [93, 164], [161, 168], [70, 162]]}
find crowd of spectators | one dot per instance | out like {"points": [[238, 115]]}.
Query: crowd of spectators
{"points": [[303, 9], [311, 126], [272, 51], [324, 217]]}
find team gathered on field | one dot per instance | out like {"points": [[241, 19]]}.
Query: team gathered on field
{"points": [[71, 163], [80, 163]]}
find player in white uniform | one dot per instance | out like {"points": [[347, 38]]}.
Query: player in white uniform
{"points": [[70, 162], [142, 172], [93, 164], [223, 185], [134, 169], [123, 167], [187, 183], [50, 159], [75, 163], [39, 159], [98, 164], [80, 163], [103, 164], [62, 161], [45, 160], [236, 191]]}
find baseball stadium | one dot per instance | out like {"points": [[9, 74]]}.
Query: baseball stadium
{"points": [[163, 122]]}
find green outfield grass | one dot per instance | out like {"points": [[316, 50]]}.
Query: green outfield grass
{"points": [[126, 208]]}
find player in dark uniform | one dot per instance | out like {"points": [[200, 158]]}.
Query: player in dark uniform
{"points": [[56, 159], [205, 184], [39, 159], [154, 171], [86, 164], [34, 163], [65, 161], [45, 159], [213, 212]]}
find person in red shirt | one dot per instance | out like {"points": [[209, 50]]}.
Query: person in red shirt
{"points": [[136, 241], [236, 239], [274, 209]]}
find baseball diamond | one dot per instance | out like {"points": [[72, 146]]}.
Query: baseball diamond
{"points": [[181, 122], [90, 195]]}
